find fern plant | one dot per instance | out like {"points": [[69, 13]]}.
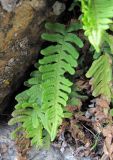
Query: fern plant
{"points": [[58, 60], [28, 112], [101, 74], [41, 108], [96, 19]]}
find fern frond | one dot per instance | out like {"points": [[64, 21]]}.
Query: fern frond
{"points": [[28, 111], [30, 124], [101, 74], [58, 59], [96, 18], [40, 108]]}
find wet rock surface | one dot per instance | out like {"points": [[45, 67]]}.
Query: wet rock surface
{"points": [[21, 24]]}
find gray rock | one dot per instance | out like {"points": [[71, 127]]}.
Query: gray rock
{"points": [[8, 5], [69, 154], [86, 158], [51, 154], [7, 145], [8, 149], [58, 8]]}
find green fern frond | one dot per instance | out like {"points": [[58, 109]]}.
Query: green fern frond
{"points": [[96, 18], [101, 74], [58, 59], [40, 108], [30, 124], [28, 111]]}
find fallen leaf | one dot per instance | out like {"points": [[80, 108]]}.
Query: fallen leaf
{"points": [[108, 143]]}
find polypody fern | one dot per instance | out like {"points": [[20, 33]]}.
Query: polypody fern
{"points": [[101, 74], [28, 111], [40, 108], [96, 18], [58, 60]]}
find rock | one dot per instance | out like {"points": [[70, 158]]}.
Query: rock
{"points": [[58, 8], [20, 43], [69, 154], [8, 5], [36, 4], [51, 154], [9, 150], [7, 146]]}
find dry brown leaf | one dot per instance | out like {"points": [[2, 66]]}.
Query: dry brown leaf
{"points": [[63, 127], [100, 115], [21, 158], [102, 102], [101, 110], [82, 84], [108, 143], [80, 117], [23, 145], [97, 127], [73, 108], [77, 132]]}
